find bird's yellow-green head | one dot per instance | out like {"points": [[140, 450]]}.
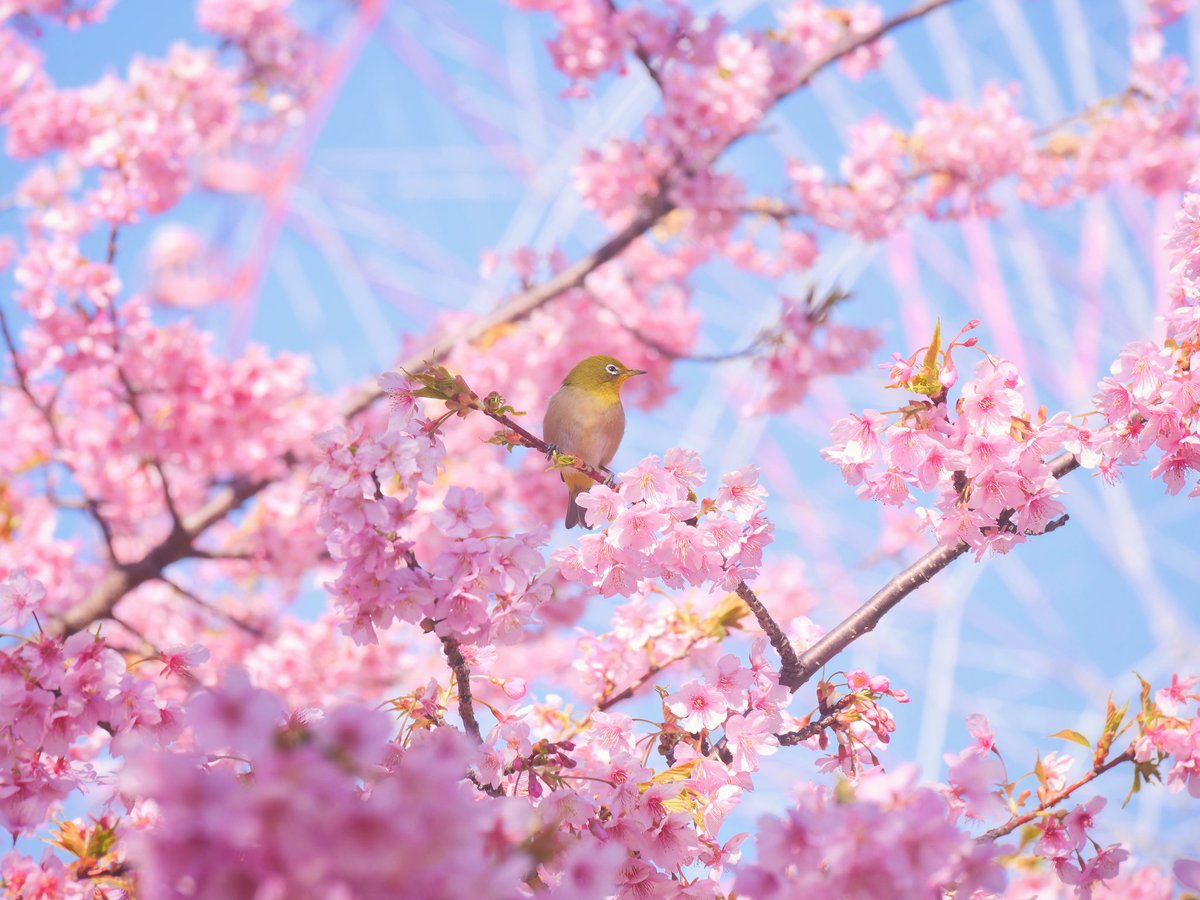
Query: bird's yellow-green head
{"points": [[600, 374]]}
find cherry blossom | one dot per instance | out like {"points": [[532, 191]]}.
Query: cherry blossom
{"points": [[482, 706]]}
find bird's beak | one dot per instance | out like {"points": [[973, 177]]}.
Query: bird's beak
{"points": [[635, 372]]}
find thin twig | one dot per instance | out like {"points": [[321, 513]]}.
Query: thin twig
{"points": [[111, 256], [627, 694], [533, 442], [1054, 799], [90, 504], [674, 355], [812, 729], [252, 630]]}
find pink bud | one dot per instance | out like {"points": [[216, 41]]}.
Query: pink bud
{"points": [[514, 688]]}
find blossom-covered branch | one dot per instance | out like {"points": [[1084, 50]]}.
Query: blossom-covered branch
{"points": [[1057, 797], [864, 619], [462, 681], [437, 383]]}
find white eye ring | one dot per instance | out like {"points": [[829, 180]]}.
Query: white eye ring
{"points": [[611, 369]]}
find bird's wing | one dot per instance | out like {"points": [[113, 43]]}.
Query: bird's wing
{"points": [[579, 423], [609, 432], [562, 425]]}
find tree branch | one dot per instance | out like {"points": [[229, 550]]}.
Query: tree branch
{"points": [[789, 662], [178, 545], [627, 694], [252, 630], [779, 640], [1017, 821], [812, 729], [125, 577], [522, 304], [462, 680], [866, 617]]}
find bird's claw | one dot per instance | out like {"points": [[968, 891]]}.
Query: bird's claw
{"points": [[611, 480], [551, 449]]}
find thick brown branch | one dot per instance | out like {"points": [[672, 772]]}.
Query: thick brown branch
{"points": [[462, 680], [866, 617], [789, 663], [176, 546], [1017, 821], [526, 302]]}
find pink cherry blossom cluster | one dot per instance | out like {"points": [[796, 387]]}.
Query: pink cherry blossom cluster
{"points": [[1164, 12], [56, 696], [1167, 727], [655, 528], [714, 91], [1151, 402], [313, 804], [953, 157], [648, 633], [985, 462], [278, 56], [474, 585], [594, 37], [872, 201], [159, 394], [988, 461], [1171, 732], [188, 101], [852, 713], [601, 785], [977, 772], [71, 13], [884, 836], [804, 346], [316, 664], [697, 52], [964, 151], [1065, 840]]}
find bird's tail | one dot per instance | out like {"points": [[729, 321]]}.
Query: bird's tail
{"points": [[575, 512]]}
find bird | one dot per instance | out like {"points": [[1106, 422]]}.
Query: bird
{"points": [[585, 418]]}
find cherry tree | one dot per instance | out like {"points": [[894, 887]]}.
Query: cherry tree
{"points": [[267, 640]]}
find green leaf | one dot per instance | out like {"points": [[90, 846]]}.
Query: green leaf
{"points": [[1039, 771], [505, 438], [564, 461], [935, 346], [1068, 735], [1135, 788]]}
